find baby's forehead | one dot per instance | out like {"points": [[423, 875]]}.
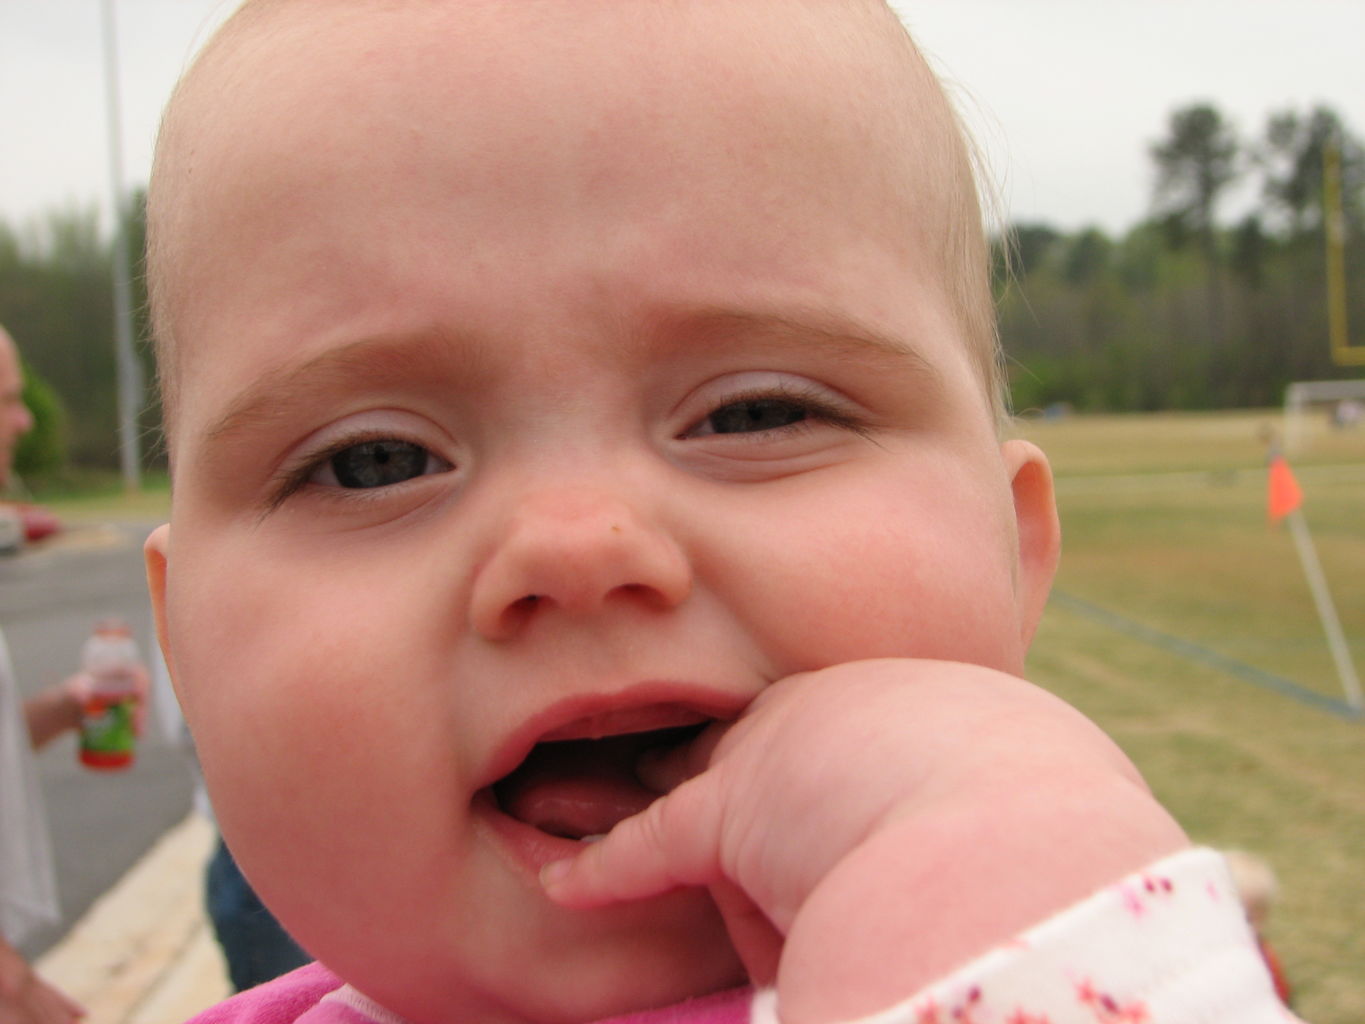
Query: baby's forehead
{"points": [[848, 62], [685, 75], [853, 53]]}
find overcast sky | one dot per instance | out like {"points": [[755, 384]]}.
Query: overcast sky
{"points": [[1065, 96]]}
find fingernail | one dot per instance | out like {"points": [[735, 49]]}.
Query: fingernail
{"points": [[553, 873]]}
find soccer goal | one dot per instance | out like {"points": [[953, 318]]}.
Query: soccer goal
{"points": [[1311, 406]]}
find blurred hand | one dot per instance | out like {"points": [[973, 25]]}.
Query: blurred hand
{"points": [[79, 687], [26, 998]]}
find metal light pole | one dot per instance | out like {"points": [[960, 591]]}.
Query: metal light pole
{"points": [[129, 370]]}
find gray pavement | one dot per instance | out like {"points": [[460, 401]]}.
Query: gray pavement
{"points": [[143, 953], [51, 594], [133, 944]]}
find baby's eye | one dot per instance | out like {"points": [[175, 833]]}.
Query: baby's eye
{"points": [[750, 415], [380, 463], [776, 408]]}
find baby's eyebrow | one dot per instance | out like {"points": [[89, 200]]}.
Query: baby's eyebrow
{"points": [[433, 358], [376, 362], [834, 334]]}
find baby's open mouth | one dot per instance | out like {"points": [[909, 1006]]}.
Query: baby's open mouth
{"points": [[580, 788]]}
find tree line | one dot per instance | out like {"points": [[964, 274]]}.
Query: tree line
{"points": [[1184, 310], [56, 299]]}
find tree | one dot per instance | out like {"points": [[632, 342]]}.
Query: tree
{"points": [[55, 301], [1249, 245], [43, 449], [1195, 164], [1032, 244], [1290, 157], [1087, 257]]}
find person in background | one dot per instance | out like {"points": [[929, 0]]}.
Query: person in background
{"points": [[28, 897]]}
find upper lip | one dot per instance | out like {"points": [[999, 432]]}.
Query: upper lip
{"points": [[642, 708]]}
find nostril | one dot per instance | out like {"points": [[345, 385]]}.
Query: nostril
{"points": [[515, 615], [650, 595]]}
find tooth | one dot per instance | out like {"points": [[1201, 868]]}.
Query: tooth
{"points": [[594, 838]]}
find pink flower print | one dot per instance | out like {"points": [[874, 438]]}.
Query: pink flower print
{"points": [[928, 1014], [1020, 1017], [1156, 885], [1137, 897], [965, 1012], [1107, 1009], [1132, 902]]}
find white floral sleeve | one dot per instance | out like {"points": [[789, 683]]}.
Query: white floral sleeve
{"points": [[1170, 945]]}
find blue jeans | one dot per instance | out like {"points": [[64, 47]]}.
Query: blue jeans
{"points": [[254, 944]]}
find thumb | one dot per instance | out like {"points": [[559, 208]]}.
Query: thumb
{"points": [[675, 841]]}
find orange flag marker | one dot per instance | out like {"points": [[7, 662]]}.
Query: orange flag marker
{"points": [[1285, 495], [1285, 499]]}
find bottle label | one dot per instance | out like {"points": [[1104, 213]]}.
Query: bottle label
{"points": [[108, 736]]}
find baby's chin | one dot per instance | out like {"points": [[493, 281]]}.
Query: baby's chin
{"points": [[633, 994], [638, 969], [599, 991]]}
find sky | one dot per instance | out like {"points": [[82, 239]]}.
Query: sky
{"points": [[1064, 97]]}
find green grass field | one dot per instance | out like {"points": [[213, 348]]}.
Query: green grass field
{"points": [[1164, 525]]}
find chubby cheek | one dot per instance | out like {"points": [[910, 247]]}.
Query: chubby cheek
{"points": [[919, 572], [307, 722]]}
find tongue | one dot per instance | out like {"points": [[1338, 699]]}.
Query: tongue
{"points": [[578, 788]]}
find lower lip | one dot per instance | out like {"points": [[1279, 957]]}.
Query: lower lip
{"points": [[529, 847]]}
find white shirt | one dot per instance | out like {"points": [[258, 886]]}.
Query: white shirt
{"points": [[28, 887]]}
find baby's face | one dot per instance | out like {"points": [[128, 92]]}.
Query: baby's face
{"points": [[519, 405]]}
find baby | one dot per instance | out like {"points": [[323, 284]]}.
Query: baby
{"points": [[585, 421]]}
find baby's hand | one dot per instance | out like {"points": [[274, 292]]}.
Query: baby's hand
{"points": [[869, 827]]}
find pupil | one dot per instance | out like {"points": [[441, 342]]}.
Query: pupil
{"points": [[379, 463], [759, 414]]}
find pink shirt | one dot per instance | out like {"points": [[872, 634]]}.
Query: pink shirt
{"points": [[1169, 945]]}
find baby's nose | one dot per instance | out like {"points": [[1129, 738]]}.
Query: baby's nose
{"points": [[576, 553]]}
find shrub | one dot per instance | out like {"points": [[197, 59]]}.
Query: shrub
{"points": [[42, 451]]}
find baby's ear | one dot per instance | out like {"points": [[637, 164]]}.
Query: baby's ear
{"points": [[156, 555], [1040, 535]]}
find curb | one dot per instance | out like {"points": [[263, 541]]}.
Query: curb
{"points": [[144, 952]]}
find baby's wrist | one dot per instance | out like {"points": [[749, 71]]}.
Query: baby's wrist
{"points": [[934, 887]]}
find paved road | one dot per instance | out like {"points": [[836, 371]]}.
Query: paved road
{"points": [[101, 823]]}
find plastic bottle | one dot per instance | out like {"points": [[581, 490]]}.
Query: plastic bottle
{"points": [[108, 722]]}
